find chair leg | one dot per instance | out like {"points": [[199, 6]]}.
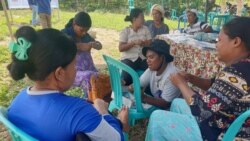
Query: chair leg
{"points": [[125, 136], [131, 122]]}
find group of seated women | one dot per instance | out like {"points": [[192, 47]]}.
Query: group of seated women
{"points": [[56, 60]]}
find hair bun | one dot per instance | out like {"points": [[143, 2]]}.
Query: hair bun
{"points": [[26, 32], [127, 18]]}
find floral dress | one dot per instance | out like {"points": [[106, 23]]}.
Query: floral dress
{"points": [[84, 63]]}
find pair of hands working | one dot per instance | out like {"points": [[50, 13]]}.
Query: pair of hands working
{"points": [[102, 107]]}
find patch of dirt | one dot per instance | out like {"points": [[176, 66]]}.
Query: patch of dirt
{"points": [[110, 40]]}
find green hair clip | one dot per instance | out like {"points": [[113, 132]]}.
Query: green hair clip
{"points": [[20, 48]]}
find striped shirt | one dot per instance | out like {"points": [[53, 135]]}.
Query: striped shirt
{"points": [[197, 27]]}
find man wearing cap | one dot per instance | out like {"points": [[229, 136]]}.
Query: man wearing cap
{"points": [[160, 67], [194, 25], [157, 26]]}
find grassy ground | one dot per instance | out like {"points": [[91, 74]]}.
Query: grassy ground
{"points": [[107, 26], [99, 20]]}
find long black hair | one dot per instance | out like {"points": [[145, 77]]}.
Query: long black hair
{"points": [[133, 14], [49, 50], [81, 19]]}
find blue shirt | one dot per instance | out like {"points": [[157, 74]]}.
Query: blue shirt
{"points": [[44, 6], [163, 29], [54, 116], [84, 60]]}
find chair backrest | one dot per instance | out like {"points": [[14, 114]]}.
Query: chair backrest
{"points": [[182, 20], [235, 126], [211, 17], [115, 67], [219, 21], [131, 5], [201, 16], [15, 133]]}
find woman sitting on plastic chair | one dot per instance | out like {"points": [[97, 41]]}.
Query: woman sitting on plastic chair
{"points": [[132, 39], [194, 25], [48, 57], [208, 115], [160, 66]]}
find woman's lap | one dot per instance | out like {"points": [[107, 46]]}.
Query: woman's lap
{"points": [[175, 125], [82, 80]]}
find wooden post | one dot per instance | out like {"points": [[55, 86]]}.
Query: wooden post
{"points": [[11, 17], [7, 19]]}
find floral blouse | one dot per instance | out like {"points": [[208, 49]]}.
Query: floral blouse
{"points": [[225, 100]]}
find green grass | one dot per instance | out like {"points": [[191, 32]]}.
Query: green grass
{"points": [[101, 20], [9, 88]]}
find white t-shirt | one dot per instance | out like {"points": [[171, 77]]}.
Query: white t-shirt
{"points": [[161, 86], [128, 35]]}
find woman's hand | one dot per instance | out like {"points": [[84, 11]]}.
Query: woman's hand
{"points": [[96, 45], [146, 43], [101, 106], [123, 117], [138, 42], [178, 79]]}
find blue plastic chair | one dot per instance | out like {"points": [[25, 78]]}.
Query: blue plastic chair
{"points": [[201, 16], [211, 17], [135, 112], [173, 15], [182, 19], [131, 5], [15, 133], [149, 5], [219, 21], [235, 127], [139, 72]]}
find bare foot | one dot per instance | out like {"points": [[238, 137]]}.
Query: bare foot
{"points": [[123, 116]]}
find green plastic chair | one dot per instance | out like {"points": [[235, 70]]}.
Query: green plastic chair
{"points": [[201, 16], [173, 15], [235, 127], [211, 17], [219, 21], [135, 112], [131, 5], [15, 133], [149, 5]]}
